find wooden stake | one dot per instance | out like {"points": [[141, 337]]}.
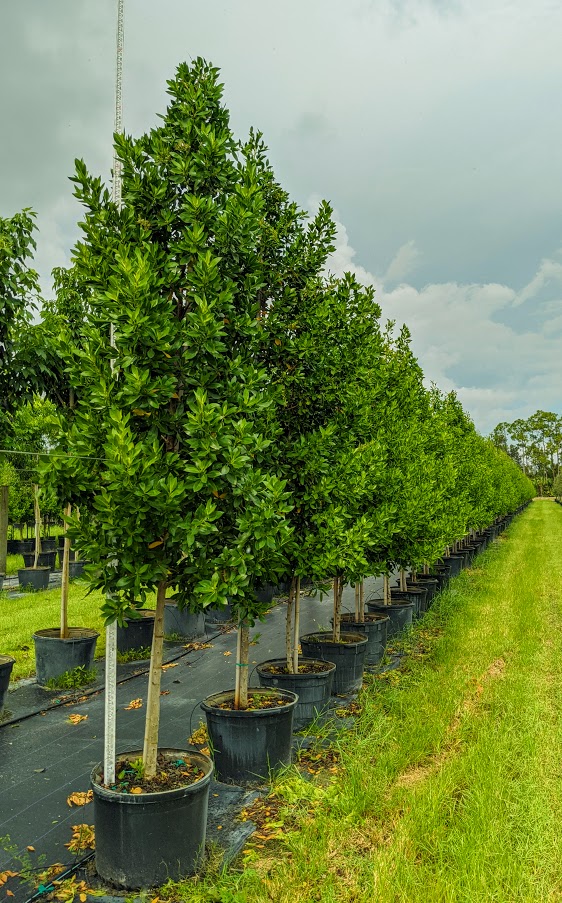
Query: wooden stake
{"points": [[357, 601], [152, 723], [386, 590], [362, 602], [289, 633], [64, 582], [242, 666], [338, 590], [37, 525], [4, 502], [402, 580], [297, 626]]}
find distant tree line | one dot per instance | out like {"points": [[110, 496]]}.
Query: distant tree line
{"points": [[536, 445]]}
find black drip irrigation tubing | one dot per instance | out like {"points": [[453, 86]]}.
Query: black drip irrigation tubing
{"points": [[95, 690], [51, 886]]}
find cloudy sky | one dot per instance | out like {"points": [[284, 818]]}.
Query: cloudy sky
{"points": [[433, 127]]}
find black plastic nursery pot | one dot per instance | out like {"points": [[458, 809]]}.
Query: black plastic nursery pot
{"points": [[417, 595], [55, 656], [431, 584], [138, 632], [6, 665], [75, 568], [218, 615], [34, 579], [183, 623], [49, 544], [44, 559], [400, 615], [375, 628], [265, 592], [348, 655], [249, 743], [313, 688], [455, 562], [144, 839]]}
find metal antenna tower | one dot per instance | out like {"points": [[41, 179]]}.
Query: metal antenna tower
{"points": [[111, 631]]}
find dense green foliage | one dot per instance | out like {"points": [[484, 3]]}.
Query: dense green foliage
{"points": [[253, 418]]}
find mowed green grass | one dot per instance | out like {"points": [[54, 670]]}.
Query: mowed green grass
{"points": [[450, 785], [19, 618]]}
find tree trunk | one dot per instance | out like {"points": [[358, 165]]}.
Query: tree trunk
{"points": [[64, 582], [338, 589], [289, 633], [4, 501], [357, 601], [37, 511], [386, 590], [150, 750], [242, 666], [362, 602], [402, 580], [297, 626]]}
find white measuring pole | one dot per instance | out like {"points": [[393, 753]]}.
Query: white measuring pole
{"points": [[111, 631]]}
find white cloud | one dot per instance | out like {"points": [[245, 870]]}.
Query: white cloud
{"points": [[498, 373], [403, 263]]}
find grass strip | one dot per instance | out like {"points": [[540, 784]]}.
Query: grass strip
{"points": [[447, 787]]}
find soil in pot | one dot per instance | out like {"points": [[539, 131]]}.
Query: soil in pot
{"points": [[55, 656], [34, 579], [399, 613], [312, 684], [375, 628], [348, 655], [138, 632], [249, 743], [183, 623], [6, 665], [143, 838]]}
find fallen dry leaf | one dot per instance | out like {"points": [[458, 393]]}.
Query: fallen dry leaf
{"points": [[134, 704], [9, 893], [227, 653], [164, 692], [31, 849], [79, 798], [4, 876], [83, 838], [169, 665], [136, 790], [76, 719], [195, 647]]}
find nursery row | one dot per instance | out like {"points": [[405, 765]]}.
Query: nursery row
{"points": [[225, 415]]}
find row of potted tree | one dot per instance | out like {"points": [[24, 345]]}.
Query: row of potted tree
{"points": [[240, 417]]}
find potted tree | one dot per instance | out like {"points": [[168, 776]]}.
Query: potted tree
{"points": [[173, 494]]}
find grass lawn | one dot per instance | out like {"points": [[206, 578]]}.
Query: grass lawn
{"points": [[448, 787], [20, 618]]}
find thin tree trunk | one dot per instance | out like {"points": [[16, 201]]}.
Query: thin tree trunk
{"points": [[357, 601], [402, 580], [289, 633], [242, 666], [4, 503], [362, 602], [37, 511], [338, 590], [64, 582], [297, 625], [152, 723], [425, 568], [386, 590]]}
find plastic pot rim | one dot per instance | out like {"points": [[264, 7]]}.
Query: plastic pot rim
{"points": [[87, 633], [130, 799], [318, 675], [326, 636], [208, 706]]}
